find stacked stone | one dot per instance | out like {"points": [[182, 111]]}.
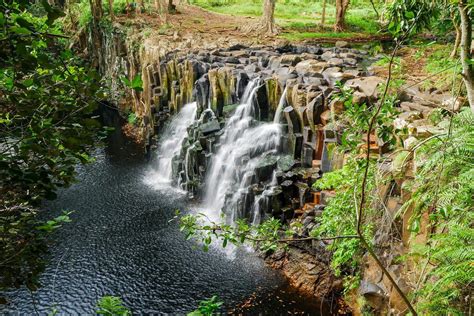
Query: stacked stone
{"points": [[216, 80]]}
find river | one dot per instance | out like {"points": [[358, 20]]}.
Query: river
{"points": [[121, 242]]}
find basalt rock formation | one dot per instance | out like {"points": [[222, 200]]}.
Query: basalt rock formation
{"points": [[252, 129]]}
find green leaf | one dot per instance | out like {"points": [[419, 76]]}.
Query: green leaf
{"points": [[137, 83], [126, 81], [409, 15], [24, 23], [20, 30], [415, 225]]}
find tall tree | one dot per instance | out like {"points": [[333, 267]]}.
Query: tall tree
{"points": [[466, 51], [266, 25], [323, 14], [268, 17], [457, 41], [111, 9], [341, 9]]}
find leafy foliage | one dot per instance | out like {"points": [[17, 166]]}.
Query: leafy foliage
{"points": [[444, 187], [356, 117], [47, 127], [207, 307], [136, 83], [410, 16], [339, 217], [112, 306], [198, 226], [24, 245]]}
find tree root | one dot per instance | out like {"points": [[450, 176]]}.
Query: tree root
{"points": [[261, 28]]}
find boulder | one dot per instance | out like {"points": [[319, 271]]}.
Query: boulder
{"points": [[335, 61], [342, 44], [231, 60], [412, 106], [310, 67], [367, 85], [314, 81], [275, 200], [359, 98], [350, 61], [210, 127], [252, 68], [328, 55], [289, 189], [290, 60], [284, 74], [274, 63], [216, 96], [406, 118], [304, 193]]}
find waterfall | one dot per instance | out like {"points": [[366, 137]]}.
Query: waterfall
{"points": [[261, 201], [281, 106], [171, 143], [243, 147]]}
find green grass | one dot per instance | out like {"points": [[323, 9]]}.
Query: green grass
{"points": [[438, 62], [301, 19]]}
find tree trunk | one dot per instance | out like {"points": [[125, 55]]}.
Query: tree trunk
{"points": [[457, 41], [96, 10], [97, 13], [341, 9], [111, 9], [268, 17], [323, 14], [466, 53], [171, 8]]}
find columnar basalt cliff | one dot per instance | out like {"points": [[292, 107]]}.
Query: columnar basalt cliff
{"points": [[256, 128]]}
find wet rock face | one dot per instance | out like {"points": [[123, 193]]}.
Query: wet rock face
{"points": [[296, 81], [307, 269]]}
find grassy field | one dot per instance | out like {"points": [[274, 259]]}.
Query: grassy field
{"points": [[301, 19]]}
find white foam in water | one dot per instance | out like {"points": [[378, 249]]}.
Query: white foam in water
{"points": [[281, 106], [170, 146], [242, 146]]}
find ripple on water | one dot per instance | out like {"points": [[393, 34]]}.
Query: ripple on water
{"points": [[122, 243]]}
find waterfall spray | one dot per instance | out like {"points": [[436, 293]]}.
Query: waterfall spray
{"points": [[281, 106], [172, 140], [243, 145]]}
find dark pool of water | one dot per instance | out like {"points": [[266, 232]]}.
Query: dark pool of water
{"points": [[121, 243]]}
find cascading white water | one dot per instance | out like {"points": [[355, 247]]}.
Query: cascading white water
{"points": [[243, 144], [261, 201], [281, 106], [170, 146]]}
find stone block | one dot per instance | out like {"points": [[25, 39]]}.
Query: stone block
{"points": [[293, 120], [295, 144]]}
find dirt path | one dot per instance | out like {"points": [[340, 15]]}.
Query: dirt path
{"points": [[194, 22]]}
